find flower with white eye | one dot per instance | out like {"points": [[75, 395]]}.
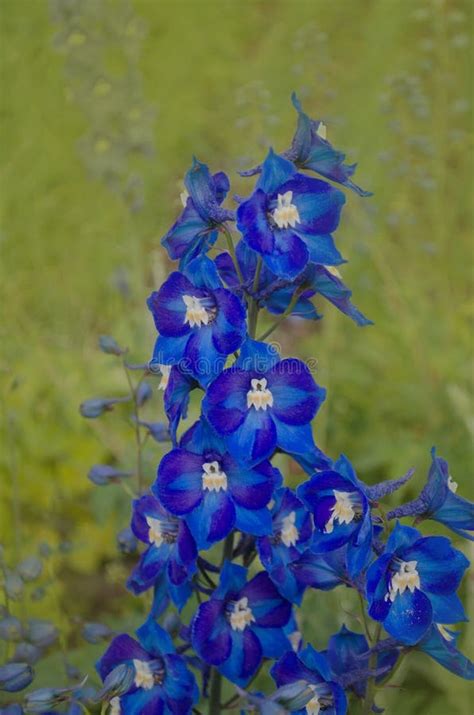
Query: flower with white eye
{"points": [[199, 321], [259, 396], [286, 213]]}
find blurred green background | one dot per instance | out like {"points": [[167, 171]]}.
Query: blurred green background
{"points": [[103, 104]]}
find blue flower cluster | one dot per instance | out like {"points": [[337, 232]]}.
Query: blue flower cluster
{"points": [[219, 482]]}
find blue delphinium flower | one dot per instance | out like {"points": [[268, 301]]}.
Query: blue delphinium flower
{"points": [[348, 651], [319, 691], [197, 227], [292, 529], [203, 483], [160, 683], [440, 502], [241, 623], [171, 550], [275, 294], [200, 323], [262, 402], [440, 644], [413, 584], [341, 512], [177, 385], [311, 150], [290, 217]]}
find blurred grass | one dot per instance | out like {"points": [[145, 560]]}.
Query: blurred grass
{"points": [[100, 116]]}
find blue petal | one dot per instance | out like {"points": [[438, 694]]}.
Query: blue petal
{"points": [[275, 171], [410, 617], [447, 609], [257, 356], [154, 638], [294, 439], [273, 641], [253, 521], [244, 659], [440, 566], [402, 537], [322, 249], [202, 272]]}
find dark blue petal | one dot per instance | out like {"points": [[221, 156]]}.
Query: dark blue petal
{"points": [[401, 538], [244, 659], [211, 634]]}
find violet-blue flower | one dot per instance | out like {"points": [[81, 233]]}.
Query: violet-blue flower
{"points": [[262, 402], [290, 217], [203, 483], [413, 584], [319, 691], [196, 229], [275, 294], [292, 529], [440, 502], [241, 623], [200, 323], [341, 511], [311, 150], [171, 550], [161, 681]]}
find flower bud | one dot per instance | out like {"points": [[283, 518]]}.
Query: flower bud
{"points": [[41, 633], [127, 541], [27, 653], [96, 406], [117, 682], [11, 629], [102, 474], [144, 393], [15, 676], [158, 430], [13, 585], [109, 345], [30, 568], [95, 632]]}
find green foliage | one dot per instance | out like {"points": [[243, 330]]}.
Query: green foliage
{"points": [[86, 100]]}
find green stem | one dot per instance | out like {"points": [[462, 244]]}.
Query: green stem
{"points": [[370, 693], [282, 317], [364, 618], [230, 246]]}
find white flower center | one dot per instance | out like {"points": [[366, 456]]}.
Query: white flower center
{"points": [[406, 577], [115, 708], [333, 271], [289, 532], [241, 616], [295, 639], [196, 314], [445, 634], [452, 485], [286, 214], [321, 131], [165, 376], [143, 676], [313, 707], [154, 533], [213, 478], [184, 196], [342, 511], [259, 396]]}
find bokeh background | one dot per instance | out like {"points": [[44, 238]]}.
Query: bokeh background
{"points": [[103, 104]]}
